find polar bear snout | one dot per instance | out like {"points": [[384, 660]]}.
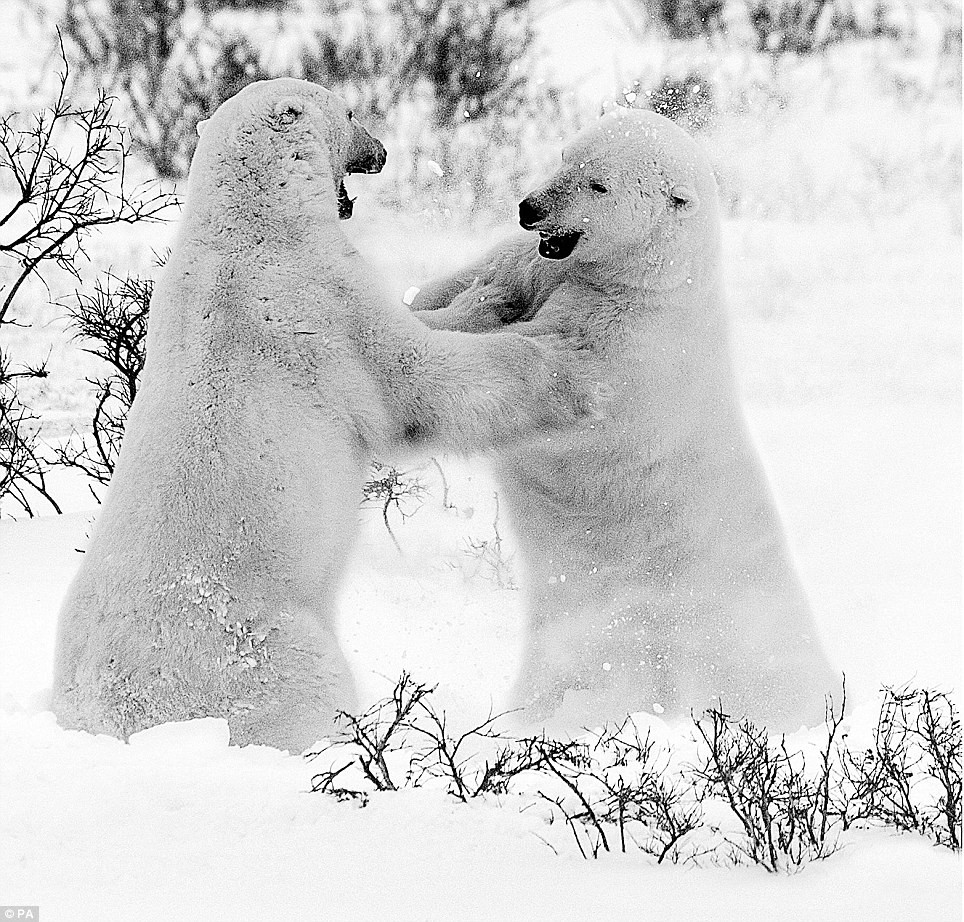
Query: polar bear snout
{"points": [[531, 212], [554, 242], [367, 154]]}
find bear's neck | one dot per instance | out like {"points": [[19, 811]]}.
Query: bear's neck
{"points": [[664, 269], [687, 285], [256, 203]]}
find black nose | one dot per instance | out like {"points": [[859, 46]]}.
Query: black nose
{"points": [[530, 213], [373, 160], [368, 157]]}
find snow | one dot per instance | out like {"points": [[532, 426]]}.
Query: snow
{"points": [[847, 334], [179, 823]]}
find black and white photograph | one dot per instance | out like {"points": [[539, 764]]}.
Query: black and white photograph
{"points": [[480, 461]]}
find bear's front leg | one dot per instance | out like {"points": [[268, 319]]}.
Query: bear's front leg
{"points": [[508, 283], [480, 308], [476, 393], [461, 392], [439, 293]]}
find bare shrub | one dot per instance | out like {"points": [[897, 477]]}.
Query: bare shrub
{"points": [[783, 810], [175, 61], [570, 762], [917, 738], [688, 18], [489, 555], [62, 197], [132, 47], [463, 56], [790, 26], [372, 737], [390, 726], [23, 464], [464, 52], [616, 789], [388, 489], [167, 62], [937, 728], [68, 165], [447, 756], [112, 323], [641, 793], [585, 793]]}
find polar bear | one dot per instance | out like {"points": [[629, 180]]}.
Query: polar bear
{"points": [[658, 572], [276, 367]]}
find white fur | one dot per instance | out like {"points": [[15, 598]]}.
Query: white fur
{"points": [[275, 369], [658, 572]]}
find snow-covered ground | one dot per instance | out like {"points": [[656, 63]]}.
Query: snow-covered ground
{"points": [[847, 335], [179, 825]]}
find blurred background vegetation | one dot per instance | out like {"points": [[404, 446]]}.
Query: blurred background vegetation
{"points": [[483, 90]]}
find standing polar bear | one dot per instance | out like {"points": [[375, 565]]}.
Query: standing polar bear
{"points": [[658, 573], [275, 369]]}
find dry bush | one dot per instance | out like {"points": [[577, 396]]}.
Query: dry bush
{"points": [[910, 776], [616, 789], [466, 53], [175, 61], [389, 489], [168, 62], [490, 559], [784, 810], [790, 26], [112, 325], [68, 167], [684, 19], [371, 737], [642, 798], [24, 465]]}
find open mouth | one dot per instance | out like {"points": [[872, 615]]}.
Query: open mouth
{"points": [[345, 204], [558, 246], [371, 161]]}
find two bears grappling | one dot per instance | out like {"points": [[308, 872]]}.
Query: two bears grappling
{"points": [[588, 357]]}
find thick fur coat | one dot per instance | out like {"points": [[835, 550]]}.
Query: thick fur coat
{"points": [[657, 569], [276, 368]]}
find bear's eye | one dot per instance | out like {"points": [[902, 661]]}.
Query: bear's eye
{"points": [[351, 115], [287, 114], [598, 187]]}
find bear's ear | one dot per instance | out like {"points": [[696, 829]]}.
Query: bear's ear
{"points": [[286, 111], [684, 197]]}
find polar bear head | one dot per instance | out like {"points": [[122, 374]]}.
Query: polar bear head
{"points": [[633, 191], [288, 134]]}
